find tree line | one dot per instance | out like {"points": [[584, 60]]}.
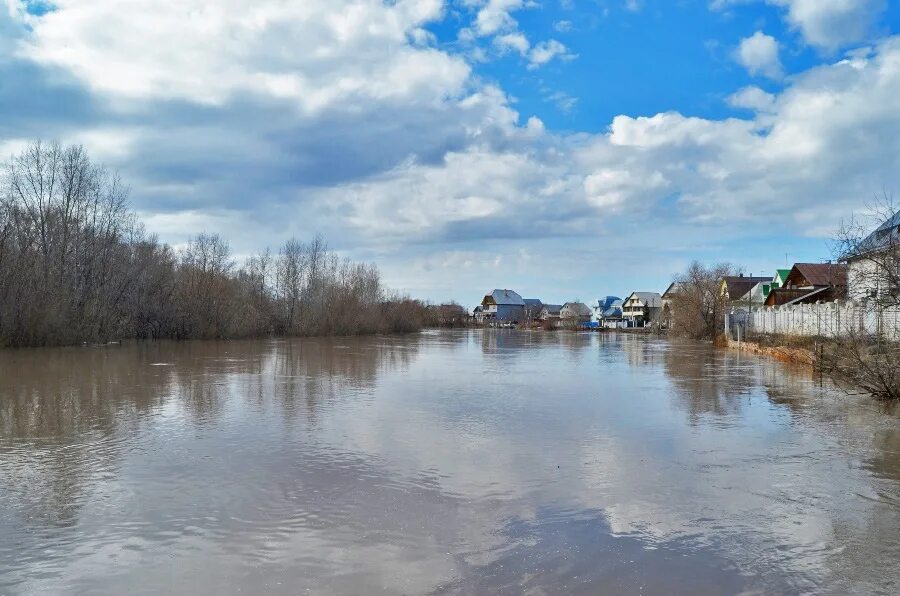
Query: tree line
{"points": [[76, 266]]}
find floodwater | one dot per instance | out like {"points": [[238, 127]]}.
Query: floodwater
{"points": [[495, 462]]}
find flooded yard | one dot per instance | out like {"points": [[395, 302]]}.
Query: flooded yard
{"points": [[497, 462]]}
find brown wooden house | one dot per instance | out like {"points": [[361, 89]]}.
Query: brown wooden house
{"points": [[811, 282]]}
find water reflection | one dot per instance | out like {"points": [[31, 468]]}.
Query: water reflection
{"points": [[492, 462]]}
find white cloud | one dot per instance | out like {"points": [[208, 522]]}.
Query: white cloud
{"points": [[562, 26], [759, 55], [830, 24], [826, 24], [752, 98], [545, 51], [312, 53], [495, 16], [513, 41]]}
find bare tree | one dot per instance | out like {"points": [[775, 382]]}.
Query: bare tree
{"points": [[77, 266], [697, 309], [867, 357]]}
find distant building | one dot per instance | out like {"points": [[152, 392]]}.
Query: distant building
{"points": [[780, 278], [874, 269], [668, 299], [502, 306], [551, 312], [756, 297], [575, 313], [641, 308], [602, 309], [733, 288], [533, 307], [811, 282]]}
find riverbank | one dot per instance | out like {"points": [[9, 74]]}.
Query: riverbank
{"points": [[782, 353]]}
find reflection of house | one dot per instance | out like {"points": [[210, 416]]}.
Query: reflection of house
{"points": [[874, 268], [733, 288], [641, 308], [667, 299], [811, 282], [574, 313], [502, 306]]}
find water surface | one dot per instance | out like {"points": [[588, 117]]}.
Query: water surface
{"points": [[449, 462]]}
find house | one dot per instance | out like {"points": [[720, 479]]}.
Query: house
{"points": [[780, 277], [668, 298], [641, 308], [611, 316], [533, 308], [811, 282], [874, 266], [756, 296], [733, 288], [575, 313], [551, 312], [603, 305], [478, 314], [502, 306]]}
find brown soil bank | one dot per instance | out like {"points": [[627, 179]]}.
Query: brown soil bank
{"points": [[782, 353]]}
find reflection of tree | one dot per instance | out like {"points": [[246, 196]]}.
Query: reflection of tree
{"points": [[316, 371], [885, 459], [60, 412], [707, 380], [67, 416]]}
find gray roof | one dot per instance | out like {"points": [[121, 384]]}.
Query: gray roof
{"points": [[532, 302], [507, 297], [553, 309], [650, 299], [579, 308], [673, 289], [887, 235]]}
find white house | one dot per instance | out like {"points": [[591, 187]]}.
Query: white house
{"points": [[641, 308], [874, 268]]}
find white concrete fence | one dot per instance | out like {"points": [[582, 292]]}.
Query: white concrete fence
{"points": [[823, 319]]}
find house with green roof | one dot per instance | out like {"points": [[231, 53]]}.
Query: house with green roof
{"points": [[781, 276]]}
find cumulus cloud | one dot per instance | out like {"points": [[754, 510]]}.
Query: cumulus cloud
{"points": [[513, 41], [826, 24], [312, 54], [830, 24], [759, 55], [496, 15], [752, 98], [545, 51]]}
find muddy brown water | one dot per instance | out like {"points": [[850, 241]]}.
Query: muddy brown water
{"points": [[446, 462]]}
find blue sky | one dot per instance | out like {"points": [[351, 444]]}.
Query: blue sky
{"points": [[567, 149]]}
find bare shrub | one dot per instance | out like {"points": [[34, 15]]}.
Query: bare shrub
{"points": [[698, 312]]}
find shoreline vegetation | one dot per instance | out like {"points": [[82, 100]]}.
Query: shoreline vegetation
{"points": [[77, 266]]}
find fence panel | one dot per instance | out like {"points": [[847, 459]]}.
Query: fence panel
{"points": [[823, 319]]}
